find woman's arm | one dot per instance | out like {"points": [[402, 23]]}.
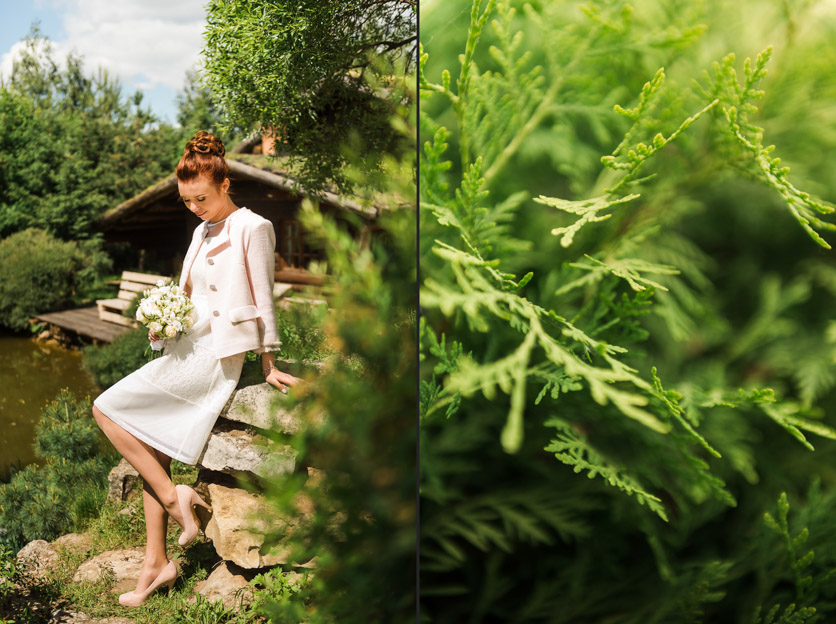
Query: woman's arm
{"points": [[273, 375], [261, 266]]}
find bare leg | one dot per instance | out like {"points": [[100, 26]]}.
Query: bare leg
{"points": [[144, 459], [156, 526]]}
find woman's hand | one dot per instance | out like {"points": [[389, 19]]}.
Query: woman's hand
{"points": [[153, 337], [281, 380]]}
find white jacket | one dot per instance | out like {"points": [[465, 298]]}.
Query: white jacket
{"points": [[240, 272]]}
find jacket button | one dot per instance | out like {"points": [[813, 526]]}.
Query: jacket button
{"points": [[210, 261], [212, 287], [216, 313]]}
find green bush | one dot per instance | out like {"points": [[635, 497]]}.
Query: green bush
{"points": [[39, 273], [301, 331], [109, 363], [57, 497], [64, 432], [8, 576]]}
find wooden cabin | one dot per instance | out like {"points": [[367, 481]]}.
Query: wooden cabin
{"points": [[157, 227]]}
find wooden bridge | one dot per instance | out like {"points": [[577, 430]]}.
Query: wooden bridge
{"points": [[84, 322], [103, 322]]}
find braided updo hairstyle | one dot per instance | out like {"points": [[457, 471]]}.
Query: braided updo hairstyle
{"points": [[203, 156]]}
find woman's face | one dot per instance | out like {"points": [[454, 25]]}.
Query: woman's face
{"points": [[204, 198]]}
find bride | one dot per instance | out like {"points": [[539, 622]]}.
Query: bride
{"points": [[167, 408]]}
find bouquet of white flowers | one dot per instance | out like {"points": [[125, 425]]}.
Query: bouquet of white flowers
{"points": [[166, 310]]}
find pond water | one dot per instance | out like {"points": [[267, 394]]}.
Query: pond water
{"points": [[31, 375]]}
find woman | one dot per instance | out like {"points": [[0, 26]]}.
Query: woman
{"points": [[167, 408]]}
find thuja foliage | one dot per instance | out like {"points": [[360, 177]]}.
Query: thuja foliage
{"points": [[358, 432], [67, 485], [625, 345]]}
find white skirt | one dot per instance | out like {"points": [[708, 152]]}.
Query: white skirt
{"points": [[172, 402]]}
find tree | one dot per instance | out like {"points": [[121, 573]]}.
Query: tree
{"points": [[197, 109], [317, 74], [71, 145]]}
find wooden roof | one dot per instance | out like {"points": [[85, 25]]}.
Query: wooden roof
{"points": [[240, 170]]}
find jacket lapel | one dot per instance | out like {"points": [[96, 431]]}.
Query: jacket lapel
{"points": [[200, 233], [197, 239], [222, 240]]}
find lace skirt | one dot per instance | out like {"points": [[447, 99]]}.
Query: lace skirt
{"points": [[172, 402]]}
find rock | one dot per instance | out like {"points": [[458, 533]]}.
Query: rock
{"points": [[62, 616], [37, 558], [237, 526], [130, 510], [123, 479], [316, 478], [232, 451], [296, 579], [74, 542], [227, 584], [44, 335], [125, 565], [262, 406]]}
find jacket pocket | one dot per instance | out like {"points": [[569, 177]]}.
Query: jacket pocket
{"points": [[244, 313]]}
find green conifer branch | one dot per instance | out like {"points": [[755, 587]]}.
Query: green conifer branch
{"points": [[547, 100], [587, 209], [671, 398], [737, 105], [573, 449], [477, 293], [477, 24], [628, 269], [797, 562]]}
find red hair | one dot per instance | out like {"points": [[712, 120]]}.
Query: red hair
{"points": [[203, 156]]}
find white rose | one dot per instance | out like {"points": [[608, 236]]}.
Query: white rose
{"points": [[170, 331], [140, 316], [155, 327]]}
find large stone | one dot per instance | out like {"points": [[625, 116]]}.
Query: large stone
{"points": [[37, 558], [125, 565], [238, 524], [262, 406], [233, 451], [63, 616], [227, 584], [74, 542], [122, 480]]}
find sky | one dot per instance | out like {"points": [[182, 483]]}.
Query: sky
{"points": [[147, 44]]}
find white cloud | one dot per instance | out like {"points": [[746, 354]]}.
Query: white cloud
{"points": [[144, 43], [6, 60]]}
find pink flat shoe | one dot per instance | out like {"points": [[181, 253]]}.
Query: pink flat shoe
{"points": [[187, 498], [167, 576]]}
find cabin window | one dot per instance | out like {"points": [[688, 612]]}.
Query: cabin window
{"points": [[294, 251]]}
